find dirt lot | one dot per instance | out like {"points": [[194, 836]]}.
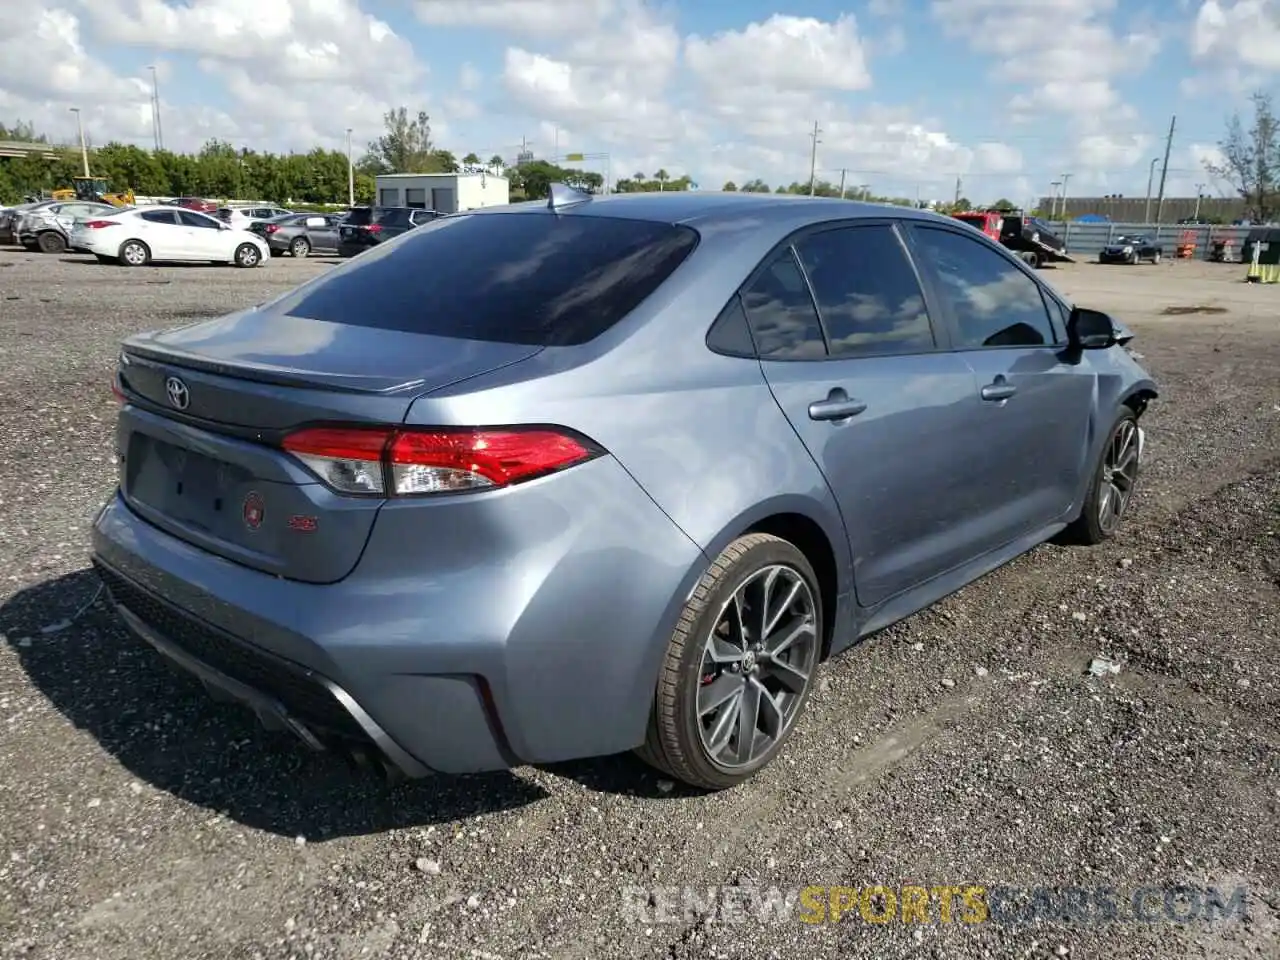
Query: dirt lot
{"points": [[139, 820]]}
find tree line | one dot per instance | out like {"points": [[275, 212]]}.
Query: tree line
{"points": [[1250, 164]]}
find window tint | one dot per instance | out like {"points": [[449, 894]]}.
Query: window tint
{"points": [[994, 303], [189, 219], [359, 217], [160, 216], [867, 292], [513, 278], [784, 322], [730, 333]]}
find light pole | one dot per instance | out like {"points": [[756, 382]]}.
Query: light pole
{"points": [[1053, 206], [1199, 196], [351, 174], [1151, 176], [84, 150], [1065, 178]]}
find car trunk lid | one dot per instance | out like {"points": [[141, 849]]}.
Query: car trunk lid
{"points": [[207, 408]]}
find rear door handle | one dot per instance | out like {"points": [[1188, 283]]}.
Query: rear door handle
{"points": [[838, 406], [998, 389]]}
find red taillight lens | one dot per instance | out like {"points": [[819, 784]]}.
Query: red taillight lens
{"points": [[99, 224], [414, 462], [116, 391], [374, 228], [272, 228]]}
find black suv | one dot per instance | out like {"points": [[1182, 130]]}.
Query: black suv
{"points": [[367, 227]]}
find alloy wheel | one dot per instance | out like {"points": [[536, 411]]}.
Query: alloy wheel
{"points": [[1119, 474], [247, 256], [757, 664], [135, 254]]}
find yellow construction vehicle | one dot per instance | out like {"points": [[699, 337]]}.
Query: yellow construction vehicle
{"points": [[95, 189]]}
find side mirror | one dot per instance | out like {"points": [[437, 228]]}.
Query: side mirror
{"points": [[1094, 330]]}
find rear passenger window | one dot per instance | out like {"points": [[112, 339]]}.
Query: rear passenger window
{"points": [[730, 333], [784, 322], [867, 292]]}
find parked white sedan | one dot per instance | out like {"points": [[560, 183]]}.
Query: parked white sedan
{"points": [[141, 235]]}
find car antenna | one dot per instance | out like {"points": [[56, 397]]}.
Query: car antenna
{"points": [[563, 195]]}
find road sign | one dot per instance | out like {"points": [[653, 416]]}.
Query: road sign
{"points": [[573, 158]]}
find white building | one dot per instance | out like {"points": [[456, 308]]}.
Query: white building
{"points": [[443, 192]]}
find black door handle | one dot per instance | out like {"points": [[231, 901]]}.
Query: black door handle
{"points": [[838, 406], [999, 389]]}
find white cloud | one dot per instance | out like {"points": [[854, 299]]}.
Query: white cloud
{"points": [[1245, 32], [294, 74], [1067, 61], [538, 18]]}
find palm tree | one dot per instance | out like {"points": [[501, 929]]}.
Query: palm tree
{"points": [[662, 177]]}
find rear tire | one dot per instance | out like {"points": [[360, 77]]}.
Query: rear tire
{"points": [[1114, 476], [1155, 258], [247, 255], [300, 248], [722, 659], [134, 253], [52, 242]]}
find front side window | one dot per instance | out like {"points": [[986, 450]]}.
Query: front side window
{"points": [[190, 219], [867, 292], [993, 303]]}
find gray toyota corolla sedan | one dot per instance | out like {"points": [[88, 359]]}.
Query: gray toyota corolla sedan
{"points": [[564, 479]]}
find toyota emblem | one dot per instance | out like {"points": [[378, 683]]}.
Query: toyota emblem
{"points": [[178, 394], [254, 511]]}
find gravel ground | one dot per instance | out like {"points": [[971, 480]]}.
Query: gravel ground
{"points": [[965, 746]]}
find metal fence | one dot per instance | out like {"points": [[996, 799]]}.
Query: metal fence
{"points": [[1085, 240]]}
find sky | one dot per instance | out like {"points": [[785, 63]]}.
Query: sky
{"points": [[909, 95]]}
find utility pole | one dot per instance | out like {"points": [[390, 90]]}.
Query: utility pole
{"points": [[959, 184], [813, 158], [1199, 196], [156, 129], [1151, 176], [1053, 206], [351, 173], [842, 173], [1065, 177], [1164, 169], [84, 149]]}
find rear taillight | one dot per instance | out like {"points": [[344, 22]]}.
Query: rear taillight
{"points": [[99, 224], [416, 461], [116, 391], [271, 228], [374, 228]]}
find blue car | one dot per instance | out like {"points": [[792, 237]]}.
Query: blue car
{"points": [[564, 479]]}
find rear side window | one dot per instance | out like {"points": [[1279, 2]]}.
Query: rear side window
{"points": [[394, 217], [784, 322], [867, 292], [535, 278], [161, 216]]}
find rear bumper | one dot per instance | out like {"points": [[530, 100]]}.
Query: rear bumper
{"points": [[546, 649], [353, 249]]}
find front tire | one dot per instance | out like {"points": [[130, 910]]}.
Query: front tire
{"points": [[1155, 258], [739, 666], [51, 242], [247, 255], [1111, 488]]}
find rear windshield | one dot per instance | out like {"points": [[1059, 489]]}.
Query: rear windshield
{"points": [[359, 217], [531, 278]]}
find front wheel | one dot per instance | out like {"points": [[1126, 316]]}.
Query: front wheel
{"points": [[52, 242], [1113, 483], [247, 255], [739, 666], [1155, 257]]}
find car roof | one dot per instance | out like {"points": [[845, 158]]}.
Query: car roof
{"points": [[703, 209]]}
